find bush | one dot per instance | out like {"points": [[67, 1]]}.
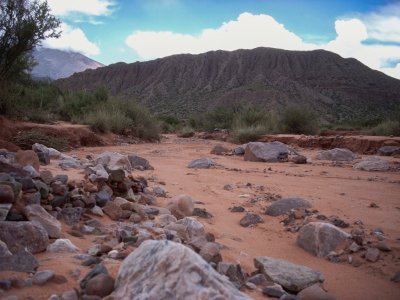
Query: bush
{"points": [[25, 140], [186, 132], [248, 134], [386, 128], [298, 120], [123, 117]]}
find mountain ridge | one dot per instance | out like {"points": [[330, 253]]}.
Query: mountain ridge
{"points": [[185, 84], [56, 64]]}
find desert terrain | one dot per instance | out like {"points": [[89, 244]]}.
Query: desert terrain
{"points": [[367, 200]]}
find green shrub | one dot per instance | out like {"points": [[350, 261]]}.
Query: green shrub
{"points": [[248, 134], [123, 117], [386, 128], [298, 120], [25, 140], [186, 132]]}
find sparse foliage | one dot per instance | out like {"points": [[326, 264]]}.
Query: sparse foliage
{"points": [[298, 120]]}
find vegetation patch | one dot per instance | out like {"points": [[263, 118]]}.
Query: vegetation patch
{"points": [[25, 140]]}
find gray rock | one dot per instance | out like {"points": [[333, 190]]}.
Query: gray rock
{"points": [[70, 295], [321, 238], [113, 161], [138, 162], [210, 252], [258, 279], [102, 198], [71, 215], [159, 191], [250, 219], [299, 159], [292, 277], [192, 227], [54, 153], [101, 285], [181, 206], [43, 189], [275, 291], [37, 213], [396, 277], [20, 261], [234, 273], [219, 150], [373, 163], [4, 250], [97, 270], [44, 158], [315, 292], [99, 172], [284, 205], [337, 154], [389, 150], [4, 210], [41, 277], [372, 254], [266, 152], [62, 245], [201, 163], [239, 150], [29, 235], [62, 178], [168, 270], [31, 171], [6, 194], [69, 162]]}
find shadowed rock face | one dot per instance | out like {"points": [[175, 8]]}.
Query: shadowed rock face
{"points": [[168, 270], [183, 84]]}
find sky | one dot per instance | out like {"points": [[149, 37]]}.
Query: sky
{"points": [[111, 31]]}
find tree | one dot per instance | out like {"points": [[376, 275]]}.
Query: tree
{"points": [[23, 25]]}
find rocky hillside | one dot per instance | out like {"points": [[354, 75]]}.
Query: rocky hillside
{"points": [[184, 84], [55, 64]]}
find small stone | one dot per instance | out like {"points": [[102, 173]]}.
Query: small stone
{"points": [[102, 198], [159, 191], [210, 252], [372, 254], [228, 187], [250, 219], [383, 246], [100, 285], [202, 213], [201, 163], [62, 245], [299, 159], [113, 210], [42, 277], [396, 277], [237, 209], [315, 292], [275, 291], [258, 279], [356, 263], [71, 215], [354, 247], [98, 269], [70, 295]]}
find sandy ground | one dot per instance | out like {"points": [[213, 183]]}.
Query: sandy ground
{"points": [[332, 189]]}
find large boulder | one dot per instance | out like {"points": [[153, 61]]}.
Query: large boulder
{"points": [[373, 163], [337, 154], [201, 163], [27, 157], [29, 235], [321, 238], [389, 150], [36, 213], [168, 270], [113, 161], [292, 277], [284, 205], [266, 152]]}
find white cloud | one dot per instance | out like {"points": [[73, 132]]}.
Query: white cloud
{"points": [[87, 7], [73, 39], [250, 31]]}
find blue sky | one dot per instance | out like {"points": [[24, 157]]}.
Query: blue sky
{"points": [[110, 31]]}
